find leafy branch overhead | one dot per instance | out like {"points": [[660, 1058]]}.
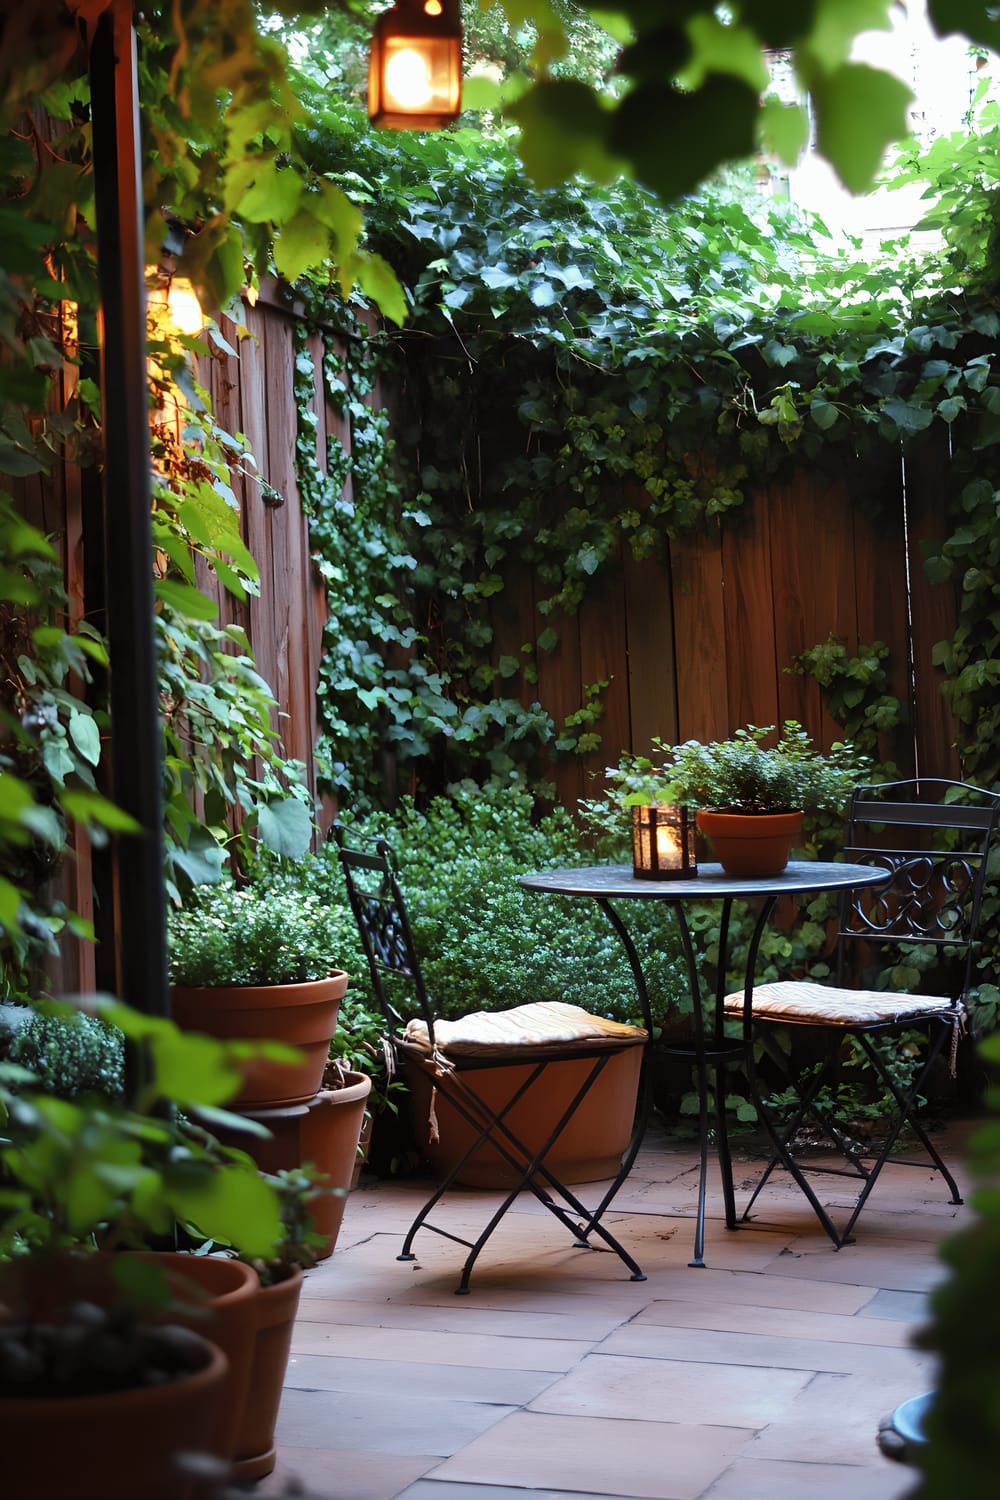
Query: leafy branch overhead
{"points": [[690, 88]]}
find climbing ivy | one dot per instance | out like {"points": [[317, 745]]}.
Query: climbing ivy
{"points": [[584, 368]]}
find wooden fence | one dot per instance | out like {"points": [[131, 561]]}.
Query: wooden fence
{"points": [[699, 641], [693, 643]]}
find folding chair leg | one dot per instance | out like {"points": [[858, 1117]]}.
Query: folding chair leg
{"points": [[784, 1156], [904, 1101], [805, 1106], [644, 1105], [530, 1167]]}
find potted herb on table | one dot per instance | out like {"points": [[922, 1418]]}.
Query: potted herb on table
{"points": [[750, 796]]}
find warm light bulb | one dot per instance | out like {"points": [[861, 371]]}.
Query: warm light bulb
{"points": [[433, 8], [408, 79], [183, 307]]}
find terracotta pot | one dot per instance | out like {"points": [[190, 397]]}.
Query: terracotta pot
{"points": [[304, 1015], [590, 1148], [325, 1131], [222, 1297], [112, 1447], [276, 1308], [751, 844], [364, 1146]]}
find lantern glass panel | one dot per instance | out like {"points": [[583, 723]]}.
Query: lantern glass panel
{"points": [[663, 842]]}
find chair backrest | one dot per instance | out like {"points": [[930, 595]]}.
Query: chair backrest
{"points": [[933, 838], [373, 890]]}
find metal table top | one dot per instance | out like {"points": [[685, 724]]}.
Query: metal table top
{"points": [[606, 882]]}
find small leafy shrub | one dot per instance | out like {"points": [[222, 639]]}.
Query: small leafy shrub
{"points": [[70, 1055], [742, 774], [486, 944], [273, 933]]}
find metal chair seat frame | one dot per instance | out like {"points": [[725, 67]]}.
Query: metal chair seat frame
{"points": [[931, 896], [380, 911]]}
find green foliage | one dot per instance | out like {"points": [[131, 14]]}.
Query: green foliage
{"points": [[69, 1055], [585, 370], [855, 691], [963, 1426], [483, 942], [742, 774], [271, 933], [50, 745], [93, 1170]]}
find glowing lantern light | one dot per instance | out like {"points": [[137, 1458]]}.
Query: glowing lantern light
{"points": [[415, 65]]}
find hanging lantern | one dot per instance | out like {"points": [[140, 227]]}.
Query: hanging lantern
{"points": [[663, 843], [415, 65]]}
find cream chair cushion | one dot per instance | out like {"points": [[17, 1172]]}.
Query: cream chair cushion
{"points": [[823, 1004], [540, 1025]]}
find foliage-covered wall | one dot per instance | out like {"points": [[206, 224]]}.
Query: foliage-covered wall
{"points": [[584, 371]]}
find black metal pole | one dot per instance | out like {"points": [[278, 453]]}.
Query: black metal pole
{"points": [[135, 723]]}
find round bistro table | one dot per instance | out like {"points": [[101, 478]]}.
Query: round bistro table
{"points": [[710, 1048]]}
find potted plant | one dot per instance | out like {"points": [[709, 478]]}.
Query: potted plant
{"points": [[281, 1273], [90, 1174], [750, 796], [258, 963], [324, 1134]]}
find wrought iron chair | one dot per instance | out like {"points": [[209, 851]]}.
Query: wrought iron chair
{"points": [[531, 1038], [933, 839]]}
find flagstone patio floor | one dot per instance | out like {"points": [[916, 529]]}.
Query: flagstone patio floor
{"points": [[761, 1377]]}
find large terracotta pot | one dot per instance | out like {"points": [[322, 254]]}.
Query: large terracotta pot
{"points": [[276, 1307], [112, 1447], [590, 1148], [325, 1131], [751, 844], [304, 1015]]}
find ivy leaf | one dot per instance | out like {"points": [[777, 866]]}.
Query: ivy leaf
{"points": [[85, 736], [185, 600], [835, 25], [980, 23], [784, 129], [295, 246], [717, 123], [823, 413], [908, 417], [859, 112], [10, 904], [92, 809], [18, 461], [285, 826], [718, 48], [379, 280], [949, 408], [777, 353], [265, 193], [564, 130]]}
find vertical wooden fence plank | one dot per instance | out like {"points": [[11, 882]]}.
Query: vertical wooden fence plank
{"points": [[559, 689], [649, 646], [700, 635], [813, 570], [933, 610], [257, 513], [748, 601], [882, 601], [603, 658]]}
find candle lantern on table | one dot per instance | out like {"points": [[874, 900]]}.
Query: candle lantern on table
{"points": [[663, 842]]}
